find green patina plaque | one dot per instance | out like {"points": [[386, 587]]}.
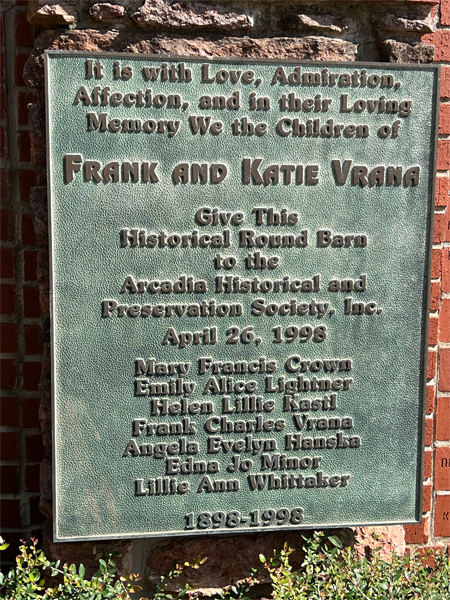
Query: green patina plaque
{"points": [[240, 271]]}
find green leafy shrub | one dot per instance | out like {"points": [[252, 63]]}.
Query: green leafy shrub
{"points": [[331, 572], [35, 577]]}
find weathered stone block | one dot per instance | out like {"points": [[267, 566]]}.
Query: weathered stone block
{"points": [[38, 201], [222, 567], [43, 277], [46, 488], [325, 24], [89, 40], [390, 539], [36, 120], [401, 52], [107, 12], [309, 47], [48, 13], [45, 407], [89, 553], [391, 22], [160, 14]]}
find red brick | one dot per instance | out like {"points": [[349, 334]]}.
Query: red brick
{"points": [[8, 337], [23, 139], [443, 419], [35, 514], [27, 179], [442, 468], [32, 478], [442, 516], [447, 226], [444, 11], [428, 555], [22, 111], [431, 364], [417, 534], [445, 82], [9, 412], [32, 343], [9, 446], [10, 511], [24, 31], [7, 373], [3, 142], [32, 307], [436, 263], [444, 370], [9, 480], [439, 227], [5, 186], [28, 233], [30, 413], [444, 321], [441, 40], [6, 263], [443, 155], [30, 265], [34, 449], [446, 270], [427, 464], [429, 428], [435, 296], [444, 119], [7, 302], [429, 404], [6, 225], [433, 331], [21, 59], [427, 495], [31, 375]]}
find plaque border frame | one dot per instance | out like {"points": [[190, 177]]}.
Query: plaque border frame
{"points": [[177, 534]]}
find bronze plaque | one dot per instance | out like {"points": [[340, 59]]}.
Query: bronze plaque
{"points": [[240, 271]]}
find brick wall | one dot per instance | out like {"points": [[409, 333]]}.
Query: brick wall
{"points": [[435, 529], [21, 318], [395, 31]]}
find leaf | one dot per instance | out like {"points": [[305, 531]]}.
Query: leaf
{"points": [[81, 570], [4, 546], [335, 541], [262, 558], [136, 588]]}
